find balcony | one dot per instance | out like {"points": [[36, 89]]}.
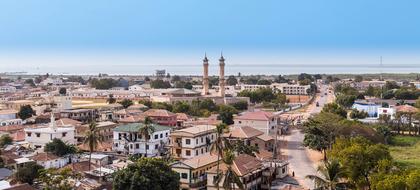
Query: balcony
{"points": [[199, 182]]}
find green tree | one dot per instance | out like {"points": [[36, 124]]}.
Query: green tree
{"points": [[111, 99], [335, 109], [62, 91], [356, 114], [241, 148], [92, 139], [181, 107], [230, 177], [5, 140], [217, 146], [26, 112], [226, 113], [160, 84], [418, 103], [358, 78], [241, 105], [126, 103], [59, 148], [345, 100], [321, 131], [231, 80], [331, 177], [28, 173], [264, 82], [54, 179], [145, 174], [360, 158], [146, 131], [103, 84]]}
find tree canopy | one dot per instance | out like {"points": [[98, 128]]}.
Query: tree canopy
{"points": [[26, 112], [59, 148]]}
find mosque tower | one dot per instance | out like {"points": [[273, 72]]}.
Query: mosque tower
{"points": [[205, 76], [222, 76]]}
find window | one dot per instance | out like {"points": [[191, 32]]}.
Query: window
{"points": [[187, 141], [147, 147], [239, 122], [166, 134], [202, 140], [196, 141], [137, 146], [161, 135], [184, 175], [38, 134], [196, 152], [202, 151], [29, 134], [64, 134], [156, 136], [188, 152], [156, 146]]}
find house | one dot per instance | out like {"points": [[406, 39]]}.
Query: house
{"points": [[8, 117], [261, 120], [52, 81], [251, 171], [63, 102], [250, 136], [369, 107], [192, 172], [99, 159], [38, 137], [48, 160], [387, 111], [83, 115], [192, 141], [162, 117], [105, 128], [126, 139]]}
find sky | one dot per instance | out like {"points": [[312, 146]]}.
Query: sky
{"points": [[188, 28]]}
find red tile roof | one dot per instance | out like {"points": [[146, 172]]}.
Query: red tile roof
{"points": [[406, 108], [243, 132], [44, 157], [258, 115], [159, 113]]}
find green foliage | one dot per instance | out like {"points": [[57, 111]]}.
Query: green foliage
{"points": [[360, 158], [345, 101], [28, 173], [59, 148], [5, 140], [54, 179], [147, 103], [418, 103], [126, 103], [30, 82], [26, 112], [226, 113], [103, 84], [264, 82], [281, 79], [345, 90], [356, 114], [335, 109], [241, 105], [111, 99], [160, 84], [183, 84], [304, 76], [62, 91], [259, 95], [241, 148], [332, 175], [358, 78], [92, 139], [231, 80], [146, 173], [181, 107]]}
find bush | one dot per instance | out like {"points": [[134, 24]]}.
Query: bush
{"points": [[356, 114]]}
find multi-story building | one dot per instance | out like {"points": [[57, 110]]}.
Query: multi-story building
{"points": [[162, 117], [192, 172], [192, 141], [291, 89], [261, 120], [63, 102], [38, 137], [127, 139], [8, 117], [371, 108], [83, 115]]}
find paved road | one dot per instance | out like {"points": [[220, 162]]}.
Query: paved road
{"points": [[299, 161]]}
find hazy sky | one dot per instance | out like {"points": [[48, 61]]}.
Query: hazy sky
{"points": [[195, 26]]}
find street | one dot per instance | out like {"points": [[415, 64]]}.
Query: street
{"points": [[299, 162]]}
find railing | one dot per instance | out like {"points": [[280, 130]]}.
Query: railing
{"points": [[200, 182]]}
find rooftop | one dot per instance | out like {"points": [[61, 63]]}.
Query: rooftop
{"points": [[196, 130], [243, 132], [258, 115], [200, 161], [159, 113], [135, 127]]}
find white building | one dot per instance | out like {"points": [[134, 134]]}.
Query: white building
{"points": [[52, 81], [7, 89], [48, 160], [63, 102], [369, 107], [291, 89], [8, 117], [128, 140], [192, 141], [387, 111], [261, 120], [38, 137]]}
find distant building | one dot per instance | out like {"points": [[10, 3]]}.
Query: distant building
{"points": [[48, 160], [83, 115], [7, 89], [291, 89], [260, 120], [160, 73], [192, 141], [369, 107], [126, 139], [52, 81], [8, 117], [162, 117], [63, 102]]}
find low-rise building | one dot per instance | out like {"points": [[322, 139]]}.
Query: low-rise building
{"points": [[8, 117], [127, 139], [261, 120], [369, 107], [48, 160], [162, 117], [83, 115], [192, 141]]}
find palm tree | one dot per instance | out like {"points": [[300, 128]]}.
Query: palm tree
{"points": [[230, 177], [217, 146], [92, 139], [331, 172], [147, 130]]}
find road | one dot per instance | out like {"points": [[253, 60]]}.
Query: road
{"points": [[299, 161]]}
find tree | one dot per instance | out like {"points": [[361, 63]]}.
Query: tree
{"points": [[104, 83], [321, 131], [26, 112], [263, 82], [231, 81], [92, 139], [54, 179], [111, 99], [356, 114], [126, 103], [230, 177], [241, 148], [145, 174], [241, 105], [62, 91], [217, 146], [360, 158], [226, 113], [30, 82], [5, 140], [176, 78], [345, 100], [181, 107], [146, 131], [304, 76], [28, 173], [335, 109], [332, 174], [183, 84], [281, 79], [160, 84], [59, 148], [358, 78]]}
